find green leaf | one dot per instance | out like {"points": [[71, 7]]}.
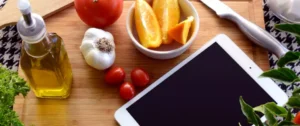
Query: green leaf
{"points": [[296, 92], [287, 58], [275, 109], [282, 74], [289, 116], [249, 113], [260, 109], [258, 120], [286, 123], [294, 101], [292, 28], [270, 117]]}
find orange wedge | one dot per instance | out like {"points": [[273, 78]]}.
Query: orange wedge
{"points": [[181, 31], [147, 25], [168, 15]]}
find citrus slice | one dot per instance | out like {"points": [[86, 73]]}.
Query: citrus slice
{"points": [[181, 31], [147, 25], [168, 15]]}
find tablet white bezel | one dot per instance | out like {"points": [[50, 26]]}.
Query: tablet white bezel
{"points": [[124, 118]]}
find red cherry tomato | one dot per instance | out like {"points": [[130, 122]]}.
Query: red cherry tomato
{"points": [[115, 76], [297, 118], [139, 77], [127, 91], [99, 13]]}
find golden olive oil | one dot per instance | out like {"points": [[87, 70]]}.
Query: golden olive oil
{"points": [[47, 67]]}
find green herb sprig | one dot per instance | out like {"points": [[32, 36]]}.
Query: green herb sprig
{"points": [[285, 75], [11, 85]]}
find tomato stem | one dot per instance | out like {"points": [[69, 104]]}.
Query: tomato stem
{"points": [[95, 1]]}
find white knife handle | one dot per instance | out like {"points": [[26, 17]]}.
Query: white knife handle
{"points": [[257, 34]]}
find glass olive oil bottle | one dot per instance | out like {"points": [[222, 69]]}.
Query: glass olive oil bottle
{"points": [[44, 59]]}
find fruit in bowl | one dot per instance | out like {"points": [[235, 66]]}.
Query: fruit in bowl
{"points": [[168, 15], [180, 32], [147, 26], [159, 25], [157, 33]]}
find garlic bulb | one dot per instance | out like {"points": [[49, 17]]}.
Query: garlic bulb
{"points": [[98, 48]]}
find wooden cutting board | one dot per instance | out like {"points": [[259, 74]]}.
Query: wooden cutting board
{"points": [[10, 13], [93, 103]]}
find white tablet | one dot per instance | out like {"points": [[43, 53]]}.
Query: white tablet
{"points": [[204, 89]]}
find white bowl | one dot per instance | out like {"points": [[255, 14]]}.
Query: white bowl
{"points": [[166, 51]]}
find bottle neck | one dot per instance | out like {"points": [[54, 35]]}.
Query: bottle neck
{"points": [[40, 48], [28, 19]]}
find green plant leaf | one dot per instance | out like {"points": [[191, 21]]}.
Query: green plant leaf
{"points": [[286, 123], [258, 120], [270, 117], [294, 101], [260, 109], [282, 74], [287, 58], [296, 92], [275, 109], [289, 116], [249, 113], [292, 28]]}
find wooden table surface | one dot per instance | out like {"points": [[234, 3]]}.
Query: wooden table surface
{"points": [[93, 103]]}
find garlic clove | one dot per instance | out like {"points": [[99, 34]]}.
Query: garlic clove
{"points": [[86, 46]]}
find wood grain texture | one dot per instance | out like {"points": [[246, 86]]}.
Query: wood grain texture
{"points": [[92, 102], [10, 13]]}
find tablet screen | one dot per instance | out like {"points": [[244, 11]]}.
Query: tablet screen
{"points": [[204, 92]]}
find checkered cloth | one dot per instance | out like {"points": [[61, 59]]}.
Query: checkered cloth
{"points": [[10, 45], [286, 39]]}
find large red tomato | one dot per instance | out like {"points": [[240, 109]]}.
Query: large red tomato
{"points": [[99, 13]]}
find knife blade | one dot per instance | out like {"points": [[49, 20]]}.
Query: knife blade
{"points": [[219, 7], [252, 31]]}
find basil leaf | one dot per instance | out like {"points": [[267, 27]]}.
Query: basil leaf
{"points": [[289, 116], [258, 120], [293, 28], [287, 58], [260, 108], [275, 109], [282, 74], [270, 117], [286, 123], [296, 92], [294, 101], [249, 113]]}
